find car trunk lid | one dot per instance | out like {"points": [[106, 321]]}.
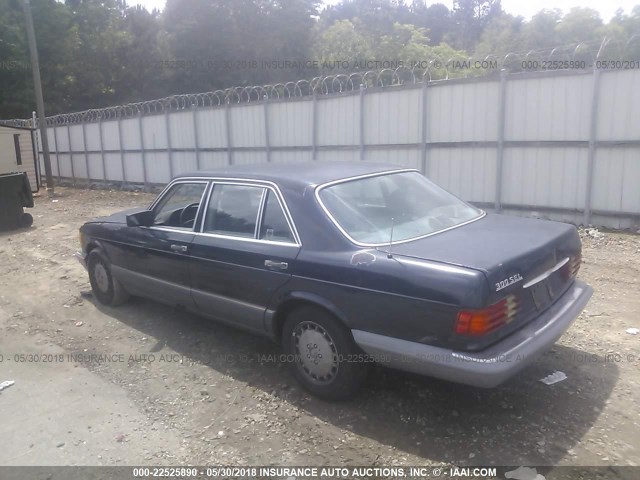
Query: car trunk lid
{"points": [[533, 261]]}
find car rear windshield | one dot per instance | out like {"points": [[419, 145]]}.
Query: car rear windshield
{"points": [[404, 204]]}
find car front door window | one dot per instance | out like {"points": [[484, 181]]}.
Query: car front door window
{"points": [[179, 206]]}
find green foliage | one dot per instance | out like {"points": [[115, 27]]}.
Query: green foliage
{"points": [[95, 53]]}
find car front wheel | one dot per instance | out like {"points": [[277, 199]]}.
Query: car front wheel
{"points": [[108, 290], [322, 354]]}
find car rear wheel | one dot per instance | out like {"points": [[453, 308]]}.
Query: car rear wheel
{"points": [[322, 354], [107, 289]]}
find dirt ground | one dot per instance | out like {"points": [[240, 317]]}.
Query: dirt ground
{"points": [[179, 389]]}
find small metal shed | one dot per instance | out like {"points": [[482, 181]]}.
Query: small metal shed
{"points": [[18, 154]]}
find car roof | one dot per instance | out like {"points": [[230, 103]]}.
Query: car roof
{"points": [[299, 174]]}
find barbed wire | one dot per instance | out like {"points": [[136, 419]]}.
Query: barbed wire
{"points": [[432, 70]]}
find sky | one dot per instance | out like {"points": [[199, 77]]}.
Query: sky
{"points": [[525, 8]]}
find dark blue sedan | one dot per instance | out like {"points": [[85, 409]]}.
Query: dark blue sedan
{"points": [[346, 264]]}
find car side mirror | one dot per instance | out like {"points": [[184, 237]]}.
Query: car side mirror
{"points": [[140, 219]]}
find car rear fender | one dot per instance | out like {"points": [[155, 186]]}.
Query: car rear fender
{"points": [[276, 315]]}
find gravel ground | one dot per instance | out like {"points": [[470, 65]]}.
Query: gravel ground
{"points": [[224, 399]]}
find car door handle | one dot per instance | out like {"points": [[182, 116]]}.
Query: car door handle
{"points": [[179, 248], [272, 264]]}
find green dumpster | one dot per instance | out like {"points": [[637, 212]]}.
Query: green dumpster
{"points": [[15, 195]]}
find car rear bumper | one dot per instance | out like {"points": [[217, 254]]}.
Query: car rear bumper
{"points": [[491, 366], [81, 257]]}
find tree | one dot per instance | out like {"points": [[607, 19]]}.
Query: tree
{"points": [[540, 31], [55, 31], [503, 34], [471, 16], [377, 17], [436, 18], [579, 25], [341, 44]]}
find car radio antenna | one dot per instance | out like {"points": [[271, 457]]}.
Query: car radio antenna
{"points": [[389, 255]]}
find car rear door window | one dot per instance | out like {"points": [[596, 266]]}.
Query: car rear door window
{"points": [[274, 225], [233, 210]]}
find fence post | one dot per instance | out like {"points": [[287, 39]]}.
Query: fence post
{"points": [[502, 102], [55, 141], [169, 148], [227, 121], [424, 159], [73, 173], [195, 136], [121, 147], [591, 156], [104, 163], [362, 90], [267, 142], [314, 127], [86, 155], [37, 142], [144, 153]]}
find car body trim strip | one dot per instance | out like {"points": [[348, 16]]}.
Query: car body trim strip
{"points": [[546, 274]]}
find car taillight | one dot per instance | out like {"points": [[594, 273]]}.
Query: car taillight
{"points": [[485, 320], [570, 269]]}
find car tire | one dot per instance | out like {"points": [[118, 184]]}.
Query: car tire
{"points": [[327, 364], [26, 220], [107, 289]]}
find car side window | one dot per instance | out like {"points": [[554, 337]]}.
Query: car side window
{"points": [[179, 206], [233, 210], [274, 224]]}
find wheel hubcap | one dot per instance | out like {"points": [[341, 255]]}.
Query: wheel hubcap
{"points": [[316, 352], [102, 279]]}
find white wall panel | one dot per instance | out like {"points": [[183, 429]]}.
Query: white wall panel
{"points": [[247, 126], [92, 134], [181, 127], [62, 140], [213, 160], [75, 131], [619, 105], [291, 123], [551, 177], [110, 136], [403, 157], [212, 132], [393, 117], [113, 167], [131, 134], [158, 167], [184, 162], [338, 120], [549, 108], [291, 156], [95, 166], [133, 167], [243, 158], [463, 112], [65, 165], [338, 156], [154, 131], [79, 166], [468, 173], [617, 173]]}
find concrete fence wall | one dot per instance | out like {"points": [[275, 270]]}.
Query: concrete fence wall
{"points": [[561, 145]]}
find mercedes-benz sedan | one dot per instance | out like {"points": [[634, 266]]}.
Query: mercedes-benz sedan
{"points": [[346, 264]]}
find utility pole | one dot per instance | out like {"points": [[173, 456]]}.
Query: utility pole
{"points": [[42, 121]]}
